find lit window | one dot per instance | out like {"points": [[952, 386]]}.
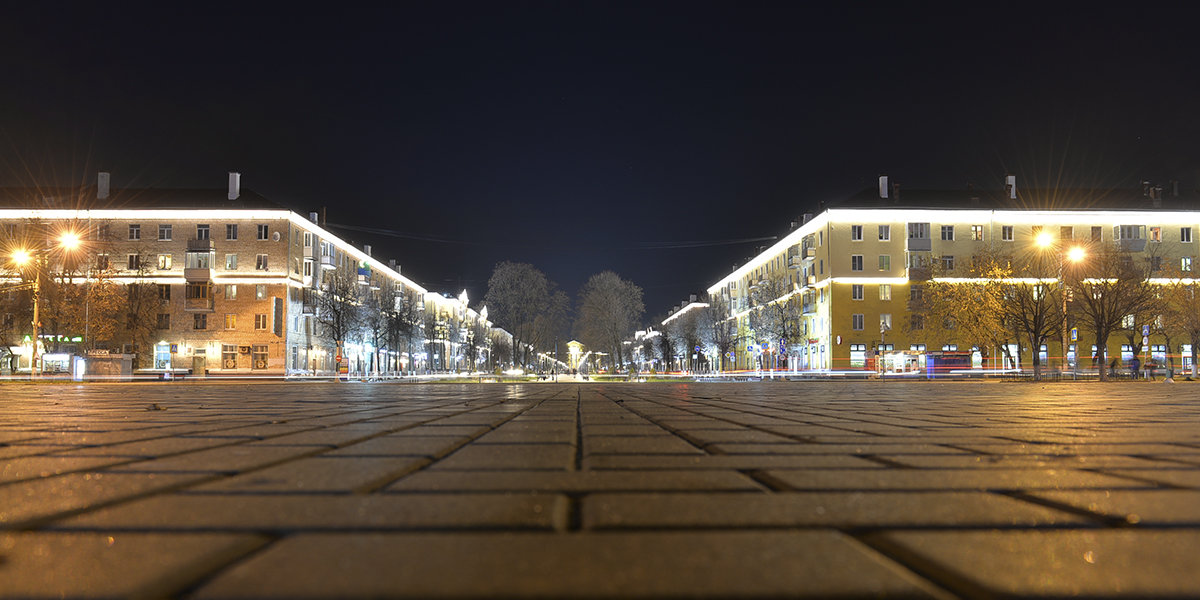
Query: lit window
{"points": [[977, 233], [1156, 234], [1185, 264], [885, 262], [230, 321], [164, 261], [885, 291], [260, 291], [230, 291], [885, 321]]}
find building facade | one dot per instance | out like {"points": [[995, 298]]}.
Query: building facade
{"points": [[855, 273], [215, 281]]}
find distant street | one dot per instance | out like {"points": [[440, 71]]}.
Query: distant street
{"points": [[771, 489]]}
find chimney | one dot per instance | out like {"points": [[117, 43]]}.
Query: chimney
{"points": [[1010, 186], [1175, 189], [367, 249], [1156, 195], [312, 216], [883, 186], [691, 297], [235, 185], [895, 192], [392, 264], [102, 185], [1145, 189], [806, 218], [792, 226]]}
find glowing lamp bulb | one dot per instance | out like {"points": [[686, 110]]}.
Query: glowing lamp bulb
{"points": [[1076, 254], [69, 241], [20, 257], [1044, 239]]}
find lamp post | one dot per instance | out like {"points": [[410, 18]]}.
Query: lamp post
{"points": [[1074, 254], [21, 257]]}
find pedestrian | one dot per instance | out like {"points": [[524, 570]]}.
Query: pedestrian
{"points": [[1112, 367], [1134, 366]]}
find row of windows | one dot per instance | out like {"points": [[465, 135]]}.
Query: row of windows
{"points": [[947, 261], [858, 320], [200, 321], [166, 230], [1120, 232], [198, 290], [196, 260]]}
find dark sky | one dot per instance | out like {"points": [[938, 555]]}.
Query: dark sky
{"points": [[589, 136]]}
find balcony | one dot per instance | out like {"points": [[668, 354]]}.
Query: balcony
{"points": [[812, 280], [919, 244], [198, 304], [1132, 245], [920, 273], [327, 262], [796, 262], [308, 302], [198, 261], [200, 245], [809, 307], [810, 253], [310, 252]]}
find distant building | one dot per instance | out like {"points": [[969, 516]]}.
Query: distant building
{"points": [[856, 266], [237, 282]]}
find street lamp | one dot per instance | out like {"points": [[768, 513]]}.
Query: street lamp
{"points": [[22, 257], [1074, 254]]}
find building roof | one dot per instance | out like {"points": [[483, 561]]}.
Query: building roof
{"points": [[1027, 199], [84, 198]]}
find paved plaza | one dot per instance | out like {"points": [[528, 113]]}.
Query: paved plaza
{"points": [[225, 490]]}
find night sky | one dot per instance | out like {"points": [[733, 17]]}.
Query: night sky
{"points": [[639, 137]]}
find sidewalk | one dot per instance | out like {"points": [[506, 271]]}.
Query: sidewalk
{"points": [[635, 490]]}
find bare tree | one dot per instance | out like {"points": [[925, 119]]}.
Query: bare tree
{"points": [[1108, 287], [720, 329], [776, 312], [339, 305], [609, 311], [517, 294], [1181, 315]]}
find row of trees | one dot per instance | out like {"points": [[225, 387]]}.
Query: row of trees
{"points": [[1108, 292], [106, 312], [522, 299]]}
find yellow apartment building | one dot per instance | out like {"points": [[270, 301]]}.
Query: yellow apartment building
{"points": [[855, 266]]}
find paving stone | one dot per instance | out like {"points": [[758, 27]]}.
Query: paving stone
{"points": [[561, 433], [576, 481], [292, 512], [28, 501], [1058, 564], [1025, 461], [726, 461], [510, 456], [151, 448], [818, 509], [657, 444], [320, 474], [407, 445], [945, 479], [810, 448], [815, 563], [1146, 507], [17, 469], [1188, 478], [226, 459], [112, 565]]}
